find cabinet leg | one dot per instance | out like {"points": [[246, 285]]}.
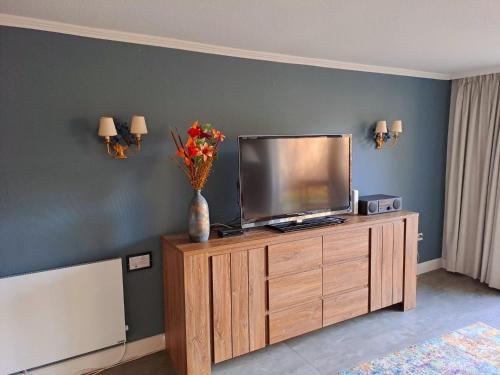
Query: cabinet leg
{"points": [[410, 262]]}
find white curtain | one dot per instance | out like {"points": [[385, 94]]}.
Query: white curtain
{"points": [[471, 236]]}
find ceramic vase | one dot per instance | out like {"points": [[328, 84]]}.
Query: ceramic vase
{"points": [[199, 221]]}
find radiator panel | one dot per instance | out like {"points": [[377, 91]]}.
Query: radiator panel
{"points": [[54, 315]]}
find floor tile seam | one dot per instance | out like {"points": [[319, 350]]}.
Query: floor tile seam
{"points": [[303, 358]]}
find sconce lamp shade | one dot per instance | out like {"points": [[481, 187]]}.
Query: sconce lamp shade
{"points": [[381, 127], [397, 126], [106, 127], [138, 125]]}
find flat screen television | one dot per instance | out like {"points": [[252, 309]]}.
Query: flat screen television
{"points": [[293, 178]]}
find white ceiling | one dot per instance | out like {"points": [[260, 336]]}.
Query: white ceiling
{"points": [[434, 38]]}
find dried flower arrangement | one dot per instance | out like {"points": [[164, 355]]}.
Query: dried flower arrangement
{"points": [[198, 153]]}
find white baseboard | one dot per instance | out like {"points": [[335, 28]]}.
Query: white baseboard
{"points": [[105, 357], [429, 266]]}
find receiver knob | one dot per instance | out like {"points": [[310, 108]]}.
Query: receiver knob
{"points": [[396, 204], [372, 207]]}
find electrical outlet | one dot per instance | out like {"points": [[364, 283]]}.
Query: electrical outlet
{"points": [[141, 261]]}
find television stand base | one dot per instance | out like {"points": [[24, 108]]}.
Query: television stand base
{"points": [[307, 224]]}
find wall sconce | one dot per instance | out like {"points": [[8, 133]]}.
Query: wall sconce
{"points": [[382, 135], [119, 136]]}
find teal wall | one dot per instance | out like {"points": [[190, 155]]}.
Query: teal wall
{"points": [[63, 201]]}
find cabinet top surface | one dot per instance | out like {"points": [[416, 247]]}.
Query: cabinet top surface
{"points": [[262, 236]]}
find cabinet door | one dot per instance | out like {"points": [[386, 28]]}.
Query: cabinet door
{"points": [[257, 298], [239, 298], [221, 302], [238, 303], [386, 264]]}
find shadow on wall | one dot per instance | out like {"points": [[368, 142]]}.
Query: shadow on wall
{"points": [[222, 186], [83, 133], [368, 134]]}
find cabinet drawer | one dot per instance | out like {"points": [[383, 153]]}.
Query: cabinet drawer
{"points": [[346, 245], [295, 289], [295, 321], [344, 276], [344, 306], [294, 256]]}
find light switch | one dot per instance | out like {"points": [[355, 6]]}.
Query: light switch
{"points": [[139, 261]]}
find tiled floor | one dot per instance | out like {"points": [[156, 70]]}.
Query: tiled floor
{"points": [[445, 302]]}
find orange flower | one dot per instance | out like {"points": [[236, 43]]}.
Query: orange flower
{"points": [[218, 135], [180, 153], [207, 151], [187, 161]]}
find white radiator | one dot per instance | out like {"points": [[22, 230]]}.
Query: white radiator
{"points": [[54, 315]]}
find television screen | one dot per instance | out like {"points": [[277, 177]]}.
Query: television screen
{"points": [[290, 176]]}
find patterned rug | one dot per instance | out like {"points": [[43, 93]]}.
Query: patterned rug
{"points": [[471, 350]]}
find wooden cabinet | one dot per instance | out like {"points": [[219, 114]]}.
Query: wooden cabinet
{"points": [[231, 296]]}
